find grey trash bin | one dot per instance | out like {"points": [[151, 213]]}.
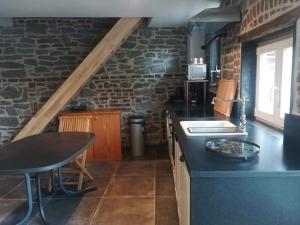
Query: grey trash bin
{"points": [[137, 138]]}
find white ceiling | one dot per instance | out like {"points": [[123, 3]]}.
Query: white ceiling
{"points": [[163, 12]]}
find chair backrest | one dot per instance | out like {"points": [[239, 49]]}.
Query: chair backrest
{"points": [[75, 123]]}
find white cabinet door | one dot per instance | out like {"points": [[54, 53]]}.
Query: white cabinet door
{"points": [[177, 171], [184, 195], [182, 186]]}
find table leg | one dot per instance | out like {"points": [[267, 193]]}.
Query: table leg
{"points": [[52, 174], [69, 192], [39, 199], [29, 200]]}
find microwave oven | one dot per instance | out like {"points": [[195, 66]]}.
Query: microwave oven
{"points": [[196, 72]]}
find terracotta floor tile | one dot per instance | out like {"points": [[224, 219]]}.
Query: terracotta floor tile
{"points": [[162, 153], [125, 211], [136, 168], [6, 177], [68, 211], [102, 169], [19, 192], [149, 154], [7, 185], [131, 186], [100, 182], [163, 167], [166, 211], [11, 211], [129, 191], [164, 185]]}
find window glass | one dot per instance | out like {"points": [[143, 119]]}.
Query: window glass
{"points": [[286, 81], [273, 81], [267, 82]]}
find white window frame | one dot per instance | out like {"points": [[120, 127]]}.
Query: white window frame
{"points": [[278, 47]]}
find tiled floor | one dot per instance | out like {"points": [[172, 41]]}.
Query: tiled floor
{"points": [[130, 192]]}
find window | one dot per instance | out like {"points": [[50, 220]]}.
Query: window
{"points": [[273, 82]]}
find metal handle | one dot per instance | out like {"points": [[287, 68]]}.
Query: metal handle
{"points": [[175, 136], [170, 127], [181, 158]]}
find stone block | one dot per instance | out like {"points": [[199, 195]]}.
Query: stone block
{"points": [[157, 41], [48, 40], [12, 31], [45, 63], [163, 55], [10, 57], [87, 93], [55, 53], [132, 54], [173, 42], [25, 51], [158, 68], [11, 65], [14, 73], [67, 30], [150, 54], [143, 61], [9, 50], [4, 45], [27, 40], [23, 45], [9, 121], [41, 69], [11, 111], [172, 66], [129, 45], [36, 28], [30, 62], [146, 33]]}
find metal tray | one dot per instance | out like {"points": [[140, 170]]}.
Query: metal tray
{"points": [[233, 148]]}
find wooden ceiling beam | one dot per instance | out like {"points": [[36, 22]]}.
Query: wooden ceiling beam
{"points": [[80, 76]]}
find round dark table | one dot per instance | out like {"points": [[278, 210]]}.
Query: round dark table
{"points": [[35, 154]]}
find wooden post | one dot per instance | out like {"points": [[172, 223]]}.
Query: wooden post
{"points": [[81, 75]]}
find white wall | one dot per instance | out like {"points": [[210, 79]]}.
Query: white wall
{"points": [[194, 41]]}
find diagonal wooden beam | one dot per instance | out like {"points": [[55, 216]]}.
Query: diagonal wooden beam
{"points": [[81, 75]]}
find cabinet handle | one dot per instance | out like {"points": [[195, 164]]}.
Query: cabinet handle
{"points": [[181, 158], [175, 136]]}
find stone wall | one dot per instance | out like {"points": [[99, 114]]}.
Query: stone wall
{"points": [[231, 54], [258, 12], [37, 55], [254, 14]]}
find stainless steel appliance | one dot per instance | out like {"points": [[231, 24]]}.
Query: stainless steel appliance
{"points": [[196, 71]]}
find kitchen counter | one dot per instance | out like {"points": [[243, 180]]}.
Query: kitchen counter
{"points": [[262, 190], [274, 157]]}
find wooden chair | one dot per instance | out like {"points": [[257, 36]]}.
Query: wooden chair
{"points": [[76, 124]]}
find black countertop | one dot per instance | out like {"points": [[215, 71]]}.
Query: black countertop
{"points": [[274, 159]]}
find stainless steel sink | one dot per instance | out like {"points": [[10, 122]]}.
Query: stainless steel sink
{"points": [[211, 128]]}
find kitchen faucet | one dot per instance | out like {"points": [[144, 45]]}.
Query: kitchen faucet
{"points": [[241, 100]]}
